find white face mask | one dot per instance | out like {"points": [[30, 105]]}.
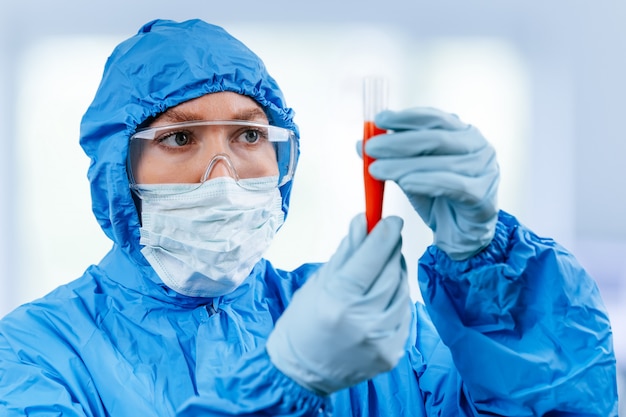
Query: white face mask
{"points": [[205, 242]]}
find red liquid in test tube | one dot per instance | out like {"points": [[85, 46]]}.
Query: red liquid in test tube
{"points": [[374, 100]]}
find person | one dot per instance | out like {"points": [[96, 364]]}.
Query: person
{"points": [[193, 154]]}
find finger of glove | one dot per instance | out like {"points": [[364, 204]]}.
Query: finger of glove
{"points": [[418, 118], [378, 297], [359, 271], [391, 329], [395, 317], [359, 148], [356, 234], [426, 142], [478, 164], [457, 187]]}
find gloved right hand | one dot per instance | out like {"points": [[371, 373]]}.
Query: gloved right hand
{"points": [[448, 171], [350, 321]]}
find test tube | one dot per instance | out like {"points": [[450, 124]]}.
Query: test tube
{"points": [[374, 100]]}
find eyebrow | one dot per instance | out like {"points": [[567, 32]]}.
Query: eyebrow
{"points": [[252, 114], [174, 115]]}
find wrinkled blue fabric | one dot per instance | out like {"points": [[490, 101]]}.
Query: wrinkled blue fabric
{"points": [[517, 330]]}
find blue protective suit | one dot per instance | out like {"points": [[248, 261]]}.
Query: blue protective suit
{"points": [[518, 330]]}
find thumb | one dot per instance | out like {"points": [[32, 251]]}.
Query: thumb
{"points": [[356, 234], [369, 257], [359, 148]]}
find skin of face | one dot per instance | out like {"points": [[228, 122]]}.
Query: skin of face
{"points": [[214, 106]]}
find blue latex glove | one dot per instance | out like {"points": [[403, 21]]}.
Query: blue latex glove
{"points": [[350, 321], [448, 171]]}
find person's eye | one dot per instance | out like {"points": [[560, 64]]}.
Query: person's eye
{"points": [[174, 139], [252, 136]]}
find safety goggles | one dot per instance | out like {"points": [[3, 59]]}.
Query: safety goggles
{"points": [[193, 152]]}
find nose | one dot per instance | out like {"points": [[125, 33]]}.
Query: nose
{"points": [[220, 166], [219, 170]]}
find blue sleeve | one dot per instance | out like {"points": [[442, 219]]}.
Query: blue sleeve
{"points": [[255, 387], [27, 389], [525, 325], [34, 372]]}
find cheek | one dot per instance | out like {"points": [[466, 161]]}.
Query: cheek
{"points": [[151, 171], [144, 171]]}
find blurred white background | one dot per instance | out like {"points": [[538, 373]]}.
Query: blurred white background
{"points": [[544, 81]]}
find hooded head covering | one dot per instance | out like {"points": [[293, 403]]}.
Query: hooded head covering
{"points": [[166, 63]]}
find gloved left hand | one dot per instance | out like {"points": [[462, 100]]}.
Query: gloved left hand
{"points": [[350, 321], [448, 171]]}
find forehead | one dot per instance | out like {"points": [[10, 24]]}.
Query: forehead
{"points": [[215, 106]]}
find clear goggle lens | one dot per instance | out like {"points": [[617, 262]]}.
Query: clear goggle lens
{"points": [[194, 152]]}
